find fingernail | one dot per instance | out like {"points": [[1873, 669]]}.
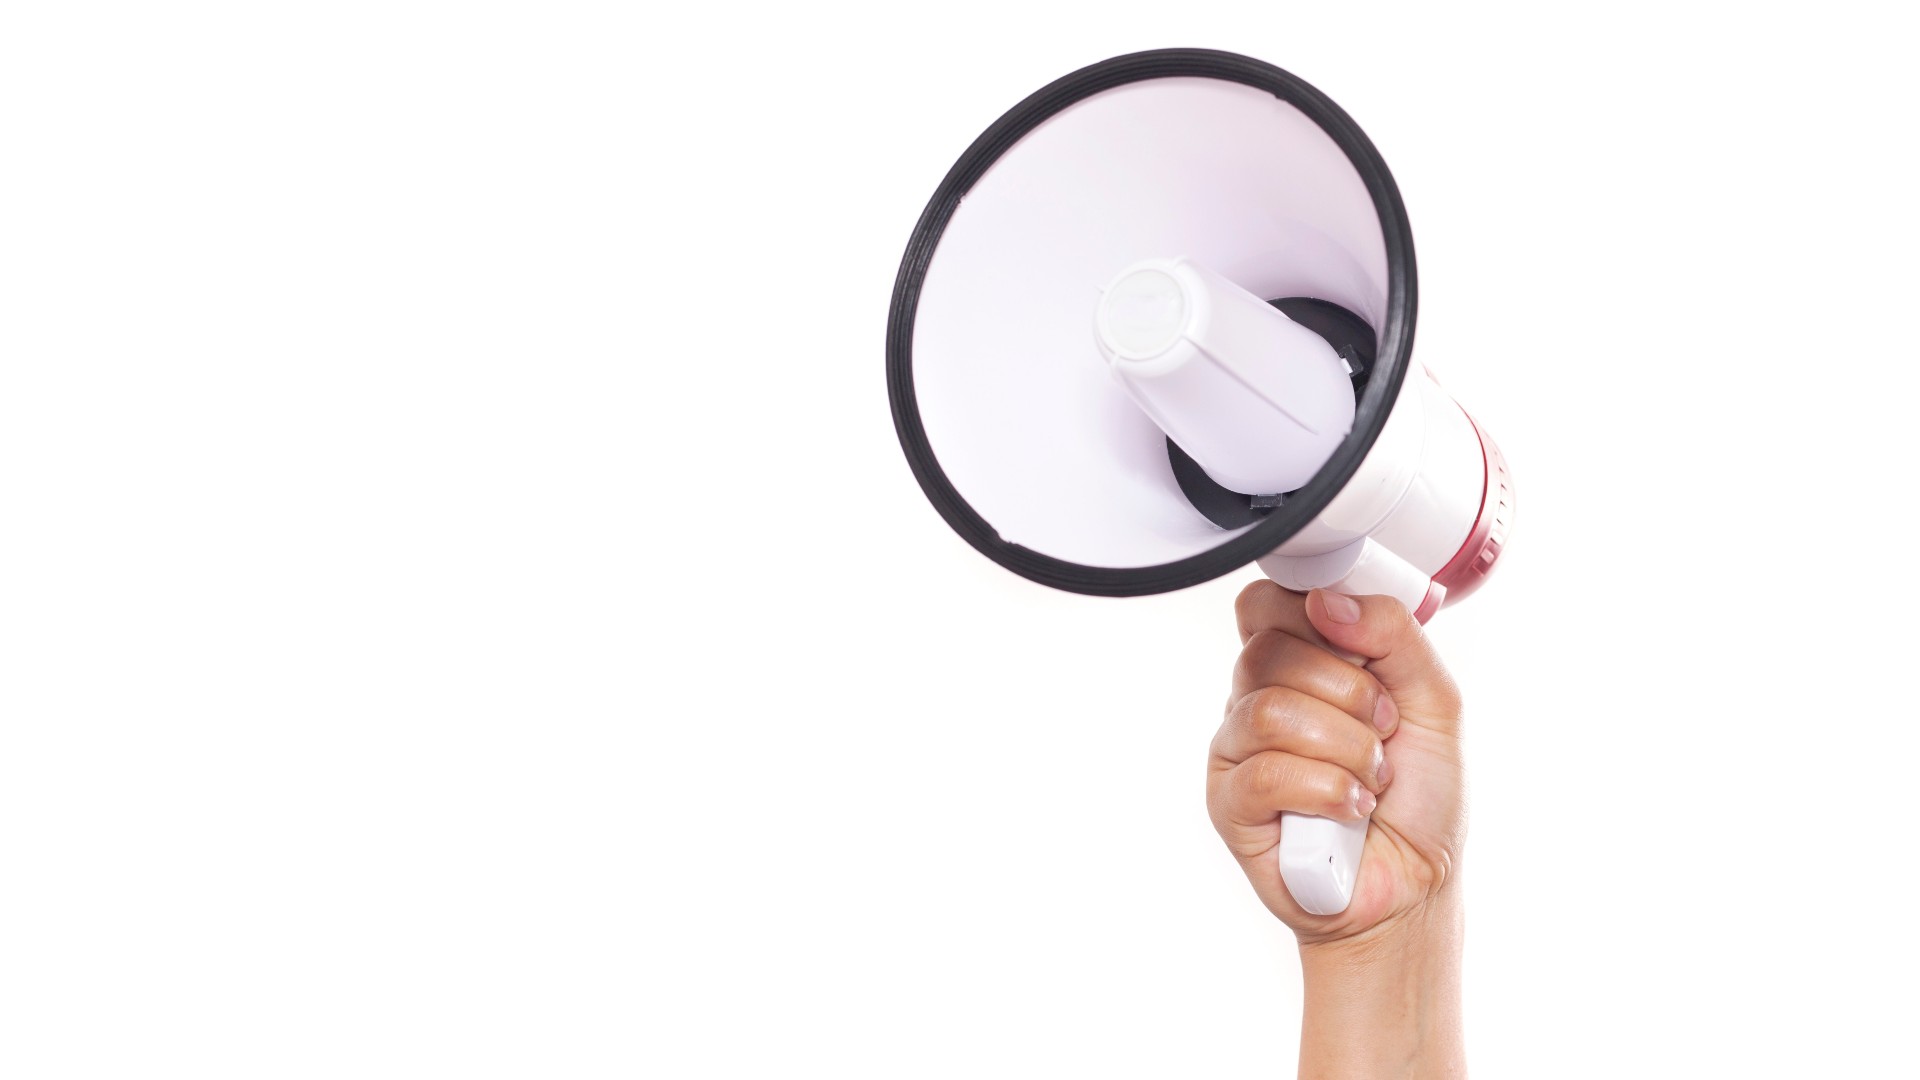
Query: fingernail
{"points": [[1363, 801], [1341, 609], [1385, 712], [1383, 772]]}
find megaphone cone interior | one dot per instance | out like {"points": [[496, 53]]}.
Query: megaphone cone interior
{"points": [[1014, 423]]}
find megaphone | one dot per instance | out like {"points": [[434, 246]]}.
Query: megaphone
{"points": [[1156, 324]]}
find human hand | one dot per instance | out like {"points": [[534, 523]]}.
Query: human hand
{"points": [[1310, 730], [1340, 708]]}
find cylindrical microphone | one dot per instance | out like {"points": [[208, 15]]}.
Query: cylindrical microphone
{"points": [[1257, 400]]}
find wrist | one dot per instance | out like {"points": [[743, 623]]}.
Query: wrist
{"points": [[1386, 1002]]}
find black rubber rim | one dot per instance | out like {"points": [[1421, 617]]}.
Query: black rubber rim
{"points": [[1395, 343]]}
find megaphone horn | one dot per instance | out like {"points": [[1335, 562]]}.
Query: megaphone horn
{"points": [[1156, 324]]}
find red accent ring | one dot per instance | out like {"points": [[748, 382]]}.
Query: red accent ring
{"points": [[1470, 566], [1432, 602]]}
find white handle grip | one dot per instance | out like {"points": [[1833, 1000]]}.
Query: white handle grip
{"points": [[1320, 857], [1319, 860]]}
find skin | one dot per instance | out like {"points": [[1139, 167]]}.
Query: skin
{"points": [[1340, 707]]}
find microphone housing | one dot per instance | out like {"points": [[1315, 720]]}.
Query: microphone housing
{"points": [[1257, 400]]}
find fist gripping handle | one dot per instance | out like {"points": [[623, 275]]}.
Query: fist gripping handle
{"points": [[1320, 857]]}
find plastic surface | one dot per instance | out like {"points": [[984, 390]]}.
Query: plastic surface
{"points": [[1419, 490], [1365, 567], [1434, 482], [1320, 861], [1257, 400], [1015, 399], [1320, 857], [1468, 570]]}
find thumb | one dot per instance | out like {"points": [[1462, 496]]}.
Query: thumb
{"points": [[1381, 631]]}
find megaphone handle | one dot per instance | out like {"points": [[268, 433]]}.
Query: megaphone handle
{"points": [[1319, 860], [1320, 857], [1365, 567]]}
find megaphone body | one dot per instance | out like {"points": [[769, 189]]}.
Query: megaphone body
{"points": [[1155, 325]]}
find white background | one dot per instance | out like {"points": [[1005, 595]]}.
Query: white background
{"points": [[463, 611]]}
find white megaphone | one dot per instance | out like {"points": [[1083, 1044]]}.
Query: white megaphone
{"points": [[1156, 324]]}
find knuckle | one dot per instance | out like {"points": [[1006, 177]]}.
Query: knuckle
{"points": [[1261, 654], [1275, 716], [1249, 600], [1367, 707], [1333, 788], [1275, 777], [1381, 613], [1356, 690], [1288, 648], [1373, 753], [1394, 617], [1395, 610], [1265, 643]]}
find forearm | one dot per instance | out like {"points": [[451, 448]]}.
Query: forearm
{"points": [[1386, 1003]]}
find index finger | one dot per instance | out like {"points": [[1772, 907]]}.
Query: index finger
{"points": [[1263, 605], [1266, 606]]}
